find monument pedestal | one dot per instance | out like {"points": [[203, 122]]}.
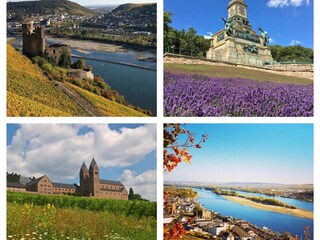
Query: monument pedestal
{"points": [[238, 43]]}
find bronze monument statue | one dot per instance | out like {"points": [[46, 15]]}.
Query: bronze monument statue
{"points": [[265, 37]]}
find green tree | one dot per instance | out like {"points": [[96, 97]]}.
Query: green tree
{"points": [[80, 64], [65, 59], [131, 194]]}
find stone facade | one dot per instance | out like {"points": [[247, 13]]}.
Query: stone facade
{"points": [[15, 187], [45, 186], [54, 51], [33, 40], [238, 43], [40, 185]]}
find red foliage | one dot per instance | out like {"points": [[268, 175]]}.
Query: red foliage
{"points": [[174, 150]]}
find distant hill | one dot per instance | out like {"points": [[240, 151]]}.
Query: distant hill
{"points": [[102, 9], [260, 185], [139, 8], [48, 7]]}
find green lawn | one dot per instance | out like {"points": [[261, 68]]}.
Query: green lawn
{"points": [[234, 72]]}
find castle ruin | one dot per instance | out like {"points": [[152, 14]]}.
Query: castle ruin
{"points": [[33, 39]]}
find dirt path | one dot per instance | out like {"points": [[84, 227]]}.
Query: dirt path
{"points": [[83, 103]]}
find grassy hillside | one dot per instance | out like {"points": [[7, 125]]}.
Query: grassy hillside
{"points": [[48, 7], [30, 93], [130, 7], [105, 106], [234, 72]]}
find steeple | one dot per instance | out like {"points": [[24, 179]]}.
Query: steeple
{"points": [[94, 179], [93, 164], [237, 8], [83, 167]]}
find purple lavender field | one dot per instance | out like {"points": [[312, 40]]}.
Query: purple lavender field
{"points": [[200, 96]]}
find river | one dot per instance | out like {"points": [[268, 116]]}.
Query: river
{"points": [[137, 85], [276, 221]]}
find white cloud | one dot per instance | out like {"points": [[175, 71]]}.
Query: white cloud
{"points": [[272, 41], [58, 150], [287, 3], [295, 42], [208, 36], [144, 184]]}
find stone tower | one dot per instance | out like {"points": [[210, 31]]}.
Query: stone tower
{"points": [[237, 8], [94, 179], [33, 40], [84, 180]]}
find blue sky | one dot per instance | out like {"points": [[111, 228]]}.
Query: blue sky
{"points": [[287, 21], [125, 152], [271, 153]]}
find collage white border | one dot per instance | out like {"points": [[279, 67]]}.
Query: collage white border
{"points": [[158, 120]]}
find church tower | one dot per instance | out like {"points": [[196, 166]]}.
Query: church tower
{"points": [[84, 180], [94, 179], [237, 8]]}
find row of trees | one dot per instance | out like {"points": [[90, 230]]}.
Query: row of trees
{"points": [[183, 42], [291, 53], [189, 43]]}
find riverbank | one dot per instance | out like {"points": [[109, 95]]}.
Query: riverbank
{"points": [[295, 212], [88, 45]]}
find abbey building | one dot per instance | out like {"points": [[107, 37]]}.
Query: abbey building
{"points": [[90, 185]]}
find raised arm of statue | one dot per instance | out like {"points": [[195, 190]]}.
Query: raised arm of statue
{"points": [[228, 26], [265, 37]]}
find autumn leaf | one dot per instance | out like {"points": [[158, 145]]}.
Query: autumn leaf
{"points": [[187, 158]]}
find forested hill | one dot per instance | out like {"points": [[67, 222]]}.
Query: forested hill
{"points": [[291, 53], [48, 7], [136, 8]]}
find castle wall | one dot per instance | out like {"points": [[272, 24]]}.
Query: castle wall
{"points": [[81, 74], [56, 50]]}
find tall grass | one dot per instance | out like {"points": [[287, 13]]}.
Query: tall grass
{"points": [[28, 221]]}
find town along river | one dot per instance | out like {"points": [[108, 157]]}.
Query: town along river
{"points": [[137, 85], [275, 221]]}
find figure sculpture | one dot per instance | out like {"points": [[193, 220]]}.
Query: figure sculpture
{"points": [[250, 49], [228, 26], [265, 37]]}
